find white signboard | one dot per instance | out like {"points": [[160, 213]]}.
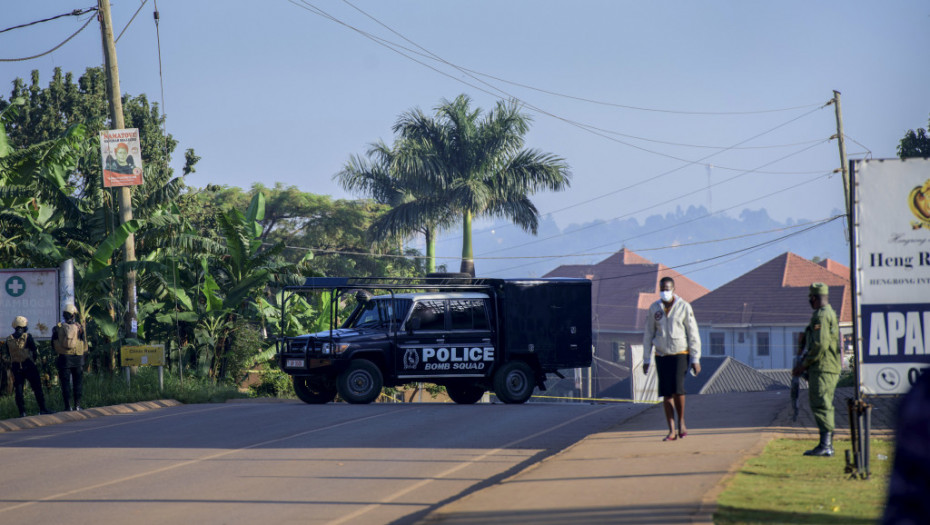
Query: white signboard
{"points": [[33, 294], [893, 225], [121, 155]]}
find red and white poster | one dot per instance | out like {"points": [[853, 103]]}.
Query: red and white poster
{"points": [[121, 155]]}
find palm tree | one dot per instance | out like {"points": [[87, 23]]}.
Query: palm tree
{"points": [[476, 164], [416, 207]]}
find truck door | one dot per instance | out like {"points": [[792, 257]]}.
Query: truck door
{"points": [[418, 342], [470, 341]]}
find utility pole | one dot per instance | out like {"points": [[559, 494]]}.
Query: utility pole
{"points": [[117, 122], [841, 139]]}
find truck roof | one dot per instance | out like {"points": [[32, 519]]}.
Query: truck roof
{"points": [[435, 295]]}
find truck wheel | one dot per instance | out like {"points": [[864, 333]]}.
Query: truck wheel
{"points": [[514, 383], [315, 390], [361, 383], [465, 393]]}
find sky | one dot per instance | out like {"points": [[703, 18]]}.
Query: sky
{"points": [[654, 105]]}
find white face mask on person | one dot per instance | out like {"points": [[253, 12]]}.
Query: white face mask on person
{"points": [[666, 295]]}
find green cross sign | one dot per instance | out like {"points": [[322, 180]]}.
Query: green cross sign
{"points": [[15, 286]]}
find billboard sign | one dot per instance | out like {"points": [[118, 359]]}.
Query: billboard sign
{"points": [[32, 293], [121, 157], [892, 221]]}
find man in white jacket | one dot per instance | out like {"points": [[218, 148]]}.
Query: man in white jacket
{"points": [[672, 330]]}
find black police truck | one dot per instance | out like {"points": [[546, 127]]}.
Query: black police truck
{"points": [[469, 335]]}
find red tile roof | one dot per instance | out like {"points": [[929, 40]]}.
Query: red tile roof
{"points": [[624, 285], [776, 293]]}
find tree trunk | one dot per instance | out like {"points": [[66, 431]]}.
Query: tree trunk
{"points": [[468, 265], [430, 236]]}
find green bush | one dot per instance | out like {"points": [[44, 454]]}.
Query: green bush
{"points": [[274, 383]]}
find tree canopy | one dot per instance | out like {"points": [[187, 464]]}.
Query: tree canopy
{"points": [[916, 143]]}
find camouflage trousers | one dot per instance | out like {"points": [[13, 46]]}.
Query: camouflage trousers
{"points": [[822, 385]]}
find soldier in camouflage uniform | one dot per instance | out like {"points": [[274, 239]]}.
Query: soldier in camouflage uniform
{"points": [[23, 354], [822, 362]]}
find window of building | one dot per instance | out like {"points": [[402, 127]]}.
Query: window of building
{"points": [[468, 314], [796, 342], [716, 344], [762, 344], [619, 351]]}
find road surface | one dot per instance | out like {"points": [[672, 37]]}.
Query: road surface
{"points": [[280, 462]]}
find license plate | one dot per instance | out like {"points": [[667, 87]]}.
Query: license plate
{"points": [[295, 363]]}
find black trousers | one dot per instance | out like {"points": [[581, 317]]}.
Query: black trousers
{"points": [[71, 374], [27, 371]]}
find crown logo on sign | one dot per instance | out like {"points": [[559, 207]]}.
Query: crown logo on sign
{"points": [[919, 202]]}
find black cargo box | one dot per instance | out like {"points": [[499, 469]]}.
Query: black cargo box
{"points": [[548, 320]]}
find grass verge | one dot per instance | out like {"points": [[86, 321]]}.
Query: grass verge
{"points": [[783, 486], [104, 389]]}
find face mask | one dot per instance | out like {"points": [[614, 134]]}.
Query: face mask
{"points": [[666, 295]]}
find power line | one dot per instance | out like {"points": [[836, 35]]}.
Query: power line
{"points": [[646, 208], [584, 127], [756, 246], [663, 174], [582, 99], [591, 129], [133, 18], [558, 256], [52, 50], [623, 241], [76, 12]]}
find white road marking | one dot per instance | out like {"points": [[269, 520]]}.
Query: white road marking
{"points": [[460, 466], [198, 460]]}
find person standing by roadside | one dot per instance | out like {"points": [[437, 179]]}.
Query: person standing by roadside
{"points": [[69, 343], [672, 330], [822, 362], [23, 356]]}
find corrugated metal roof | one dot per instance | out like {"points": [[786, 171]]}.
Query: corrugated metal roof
{"points": [[729, 375]]}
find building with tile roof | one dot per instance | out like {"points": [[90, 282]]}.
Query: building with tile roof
{"points": [[758, 317], [624, 285]]}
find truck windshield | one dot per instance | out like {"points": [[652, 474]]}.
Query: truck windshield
{"points": [[378, 313]]}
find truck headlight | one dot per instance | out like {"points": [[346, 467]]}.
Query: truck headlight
{"points": [[334, 348]]}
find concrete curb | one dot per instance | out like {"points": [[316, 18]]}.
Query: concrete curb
{"points": [[23, 423]]}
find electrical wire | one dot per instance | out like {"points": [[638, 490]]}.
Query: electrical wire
{"points": [[164, 124], [76, 12], [753, 247], [584, 127], [52, 50], [581, 99], [588, 128], [678, 225], [558, 256], [646, 208], [133, 18]]}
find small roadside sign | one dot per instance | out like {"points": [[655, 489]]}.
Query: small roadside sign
{"points": [[142, 355]]}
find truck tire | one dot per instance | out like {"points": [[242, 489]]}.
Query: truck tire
{"points": [[465, 393], [314, 390], [514, 382], [361, 383]]}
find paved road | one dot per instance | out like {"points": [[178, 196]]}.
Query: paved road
{"points": [[280, 462]]}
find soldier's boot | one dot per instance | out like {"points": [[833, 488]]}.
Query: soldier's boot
{"points": [[824, 448]]}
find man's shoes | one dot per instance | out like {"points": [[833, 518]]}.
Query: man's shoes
{"points": [[77, 408], [22, 414], [824, 448]]}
